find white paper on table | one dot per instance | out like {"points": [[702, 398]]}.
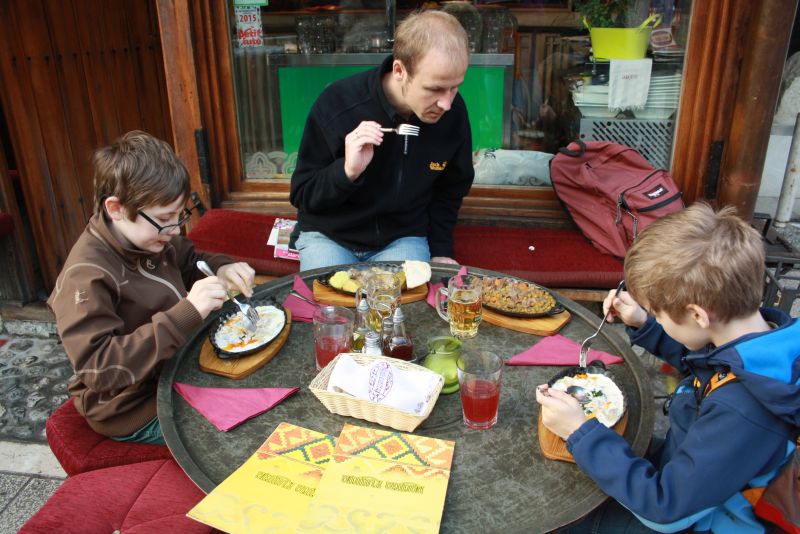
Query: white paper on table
{"points": [[384, 383], [629, 83]]}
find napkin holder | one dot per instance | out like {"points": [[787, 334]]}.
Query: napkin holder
{"points": [[344, 404]]}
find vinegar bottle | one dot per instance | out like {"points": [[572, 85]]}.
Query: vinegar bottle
{"points": [[398, 344], [361, 326]]}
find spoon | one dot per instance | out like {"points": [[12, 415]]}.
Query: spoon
{"points": [[580, 394], [248, 312]]}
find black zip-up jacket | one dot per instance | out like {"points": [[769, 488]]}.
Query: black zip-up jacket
{"points": [[401, 193]]}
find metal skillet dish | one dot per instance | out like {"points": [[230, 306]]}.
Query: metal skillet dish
{"points": [[359, 273], [607, 398], [230, 339], [518, 298]]}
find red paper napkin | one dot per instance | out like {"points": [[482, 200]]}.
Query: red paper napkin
{"points": [[227, 408], [559, 350], [302, 311], [434, 288]]}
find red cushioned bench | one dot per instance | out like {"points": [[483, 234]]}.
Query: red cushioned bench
{"points": [[561, 258]]}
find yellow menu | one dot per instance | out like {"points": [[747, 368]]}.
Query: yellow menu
{"points": [[270, 492], [381, 481]]}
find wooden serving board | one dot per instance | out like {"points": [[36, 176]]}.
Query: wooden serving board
{"points": [[326, 295], [238, 368], [555, 448], [540, 326]]}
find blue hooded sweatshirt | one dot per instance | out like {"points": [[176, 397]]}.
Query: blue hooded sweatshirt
{"points": [[718, 445]]}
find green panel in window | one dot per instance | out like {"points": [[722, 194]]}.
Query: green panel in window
{"points": [[482, 91]]}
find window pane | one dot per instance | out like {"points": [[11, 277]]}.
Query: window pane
{"points": [[536, 80]]}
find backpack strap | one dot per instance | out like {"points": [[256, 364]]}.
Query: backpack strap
{"points": [[717, 381]]}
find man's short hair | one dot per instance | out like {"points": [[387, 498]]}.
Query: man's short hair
{"points": [[426, 30], [697, 256], [141, 171]]}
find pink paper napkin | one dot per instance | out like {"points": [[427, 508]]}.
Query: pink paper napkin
{"points": [[558, 350], [302, 311], [227, 408], [434, 288]]}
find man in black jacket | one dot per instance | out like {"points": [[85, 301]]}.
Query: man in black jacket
{"points": [[367, 195]]}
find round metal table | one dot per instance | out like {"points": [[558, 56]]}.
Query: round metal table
{"points": [[499, 481]]}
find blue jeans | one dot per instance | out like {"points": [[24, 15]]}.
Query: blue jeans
{"points": [[609, 518], [317, 251]]}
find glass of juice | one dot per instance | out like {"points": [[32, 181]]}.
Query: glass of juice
{"points": [[479, 375], [333, 333]]}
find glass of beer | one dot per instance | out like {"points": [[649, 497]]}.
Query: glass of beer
{"points": [[464, 299], [382, 291]]}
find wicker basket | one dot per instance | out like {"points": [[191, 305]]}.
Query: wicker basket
{"points": [[343, 404]]}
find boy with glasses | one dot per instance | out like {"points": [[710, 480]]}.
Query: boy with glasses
{"points": [[130, 293]]}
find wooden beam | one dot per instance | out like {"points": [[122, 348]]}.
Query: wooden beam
{"points": [[181, 78]]}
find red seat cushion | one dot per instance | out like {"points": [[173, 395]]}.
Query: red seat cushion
{"points": [[78, 448], [561, 258], [146, 497], [242, 235]]}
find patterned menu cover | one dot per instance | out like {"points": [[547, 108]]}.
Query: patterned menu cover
{"points": [[382, 481], [271, 490]]}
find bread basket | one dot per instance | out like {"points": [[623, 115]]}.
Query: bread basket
{"points": [[344, 404]]}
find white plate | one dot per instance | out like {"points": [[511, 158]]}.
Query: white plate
{"points": [[654, 113], [597, 112]]}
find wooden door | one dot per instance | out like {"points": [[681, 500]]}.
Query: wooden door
{"points": [[74, 75]]}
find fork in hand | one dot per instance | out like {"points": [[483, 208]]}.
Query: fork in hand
{"points": [[403, 129], [250, 314], [588, 340]]}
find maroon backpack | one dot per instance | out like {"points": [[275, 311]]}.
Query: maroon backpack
{"points": [[611, 192]]}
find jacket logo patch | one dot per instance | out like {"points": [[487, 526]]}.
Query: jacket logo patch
{"points": [[656, 192], [79, 296], [149, 264], [436, 166]]}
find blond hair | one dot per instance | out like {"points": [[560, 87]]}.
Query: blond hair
{"points": [[141, 171], [426, 30], [697, 256]]}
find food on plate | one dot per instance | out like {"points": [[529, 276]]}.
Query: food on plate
{"points": [[416, 273], [606, 402], [516, 296], [350, 280], [232, 336]]}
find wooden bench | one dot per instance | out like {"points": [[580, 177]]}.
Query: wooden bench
{"points": [[558, 258]]}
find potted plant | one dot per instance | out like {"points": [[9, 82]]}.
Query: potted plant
{"points": [[606, 21]]}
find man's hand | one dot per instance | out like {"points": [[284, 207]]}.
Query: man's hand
{"points": [[206, 295], [624, 307], [238, 275], [443, 259], [359, 148], [561, 413]]}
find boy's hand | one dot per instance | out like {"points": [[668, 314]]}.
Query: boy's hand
{"points": [[207, 294], [561, 413], [238, 275], [624, 307]]}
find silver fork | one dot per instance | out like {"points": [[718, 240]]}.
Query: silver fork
{"points": [[588, 340], [403, 129], [250, 314]]}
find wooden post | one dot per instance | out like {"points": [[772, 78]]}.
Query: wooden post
{"points": [[181, 80], [766, 40]]}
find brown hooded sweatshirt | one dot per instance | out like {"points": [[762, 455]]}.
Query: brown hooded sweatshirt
{"points": [[120, 313]]}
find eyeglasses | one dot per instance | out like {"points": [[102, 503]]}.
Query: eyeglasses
{"points": [[185, 217]]}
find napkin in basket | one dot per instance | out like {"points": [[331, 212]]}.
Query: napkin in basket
{"points": [[302, 311], [559, 350], [629, 83], [384, 383], [227, 408]]}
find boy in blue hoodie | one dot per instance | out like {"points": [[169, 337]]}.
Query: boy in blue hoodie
{"points": [[694, 283]]}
